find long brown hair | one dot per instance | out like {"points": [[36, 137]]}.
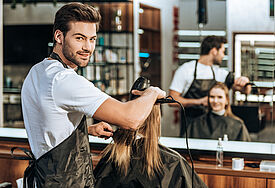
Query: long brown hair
{"points": [[228, 111], [148, 151]]}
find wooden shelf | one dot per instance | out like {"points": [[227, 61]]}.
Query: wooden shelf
{"points": [[203, 168]]}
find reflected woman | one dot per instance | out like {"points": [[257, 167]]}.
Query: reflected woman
{"points": [[136, 159], [219, 120]]}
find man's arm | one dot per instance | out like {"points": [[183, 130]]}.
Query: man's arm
{"points": [[185, 101], [131, 114], [240, 84]]}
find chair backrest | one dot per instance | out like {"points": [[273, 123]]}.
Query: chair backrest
{"points": [[250, 116]]}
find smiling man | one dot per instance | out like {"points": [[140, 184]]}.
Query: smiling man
{"points": [[56, 100]]}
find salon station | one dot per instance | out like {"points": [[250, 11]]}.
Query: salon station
{"points": [[154, 39]]}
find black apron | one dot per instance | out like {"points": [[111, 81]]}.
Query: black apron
{"points": [[67, 165], [198, 89]]}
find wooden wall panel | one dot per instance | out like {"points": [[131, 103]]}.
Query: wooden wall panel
{"points": [[108, 12], [156, 19], [270, 183], [217, 181], [12, 169]]}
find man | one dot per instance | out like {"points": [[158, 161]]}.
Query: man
{"points": [[193, 80], [55, 101]]}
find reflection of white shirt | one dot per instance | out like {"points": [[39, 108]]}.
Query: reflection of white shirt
{"points": [[54, 100], [184, 75]]}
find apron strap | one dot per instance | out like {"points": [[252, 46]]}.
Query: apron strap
{"points": [[195, 72], [29, 154], [57, 57], [30, 170], [213, 73]]}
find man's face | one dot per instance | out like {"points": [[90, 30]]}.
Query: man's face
{"points": [[219, 56], [79, 43]]}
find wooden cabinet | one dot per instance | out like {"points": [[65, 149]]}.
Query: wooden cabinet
{"points": [[218, 181], [270, 183], [225, 177], [150, 44], [114, 14], [12, 169]]}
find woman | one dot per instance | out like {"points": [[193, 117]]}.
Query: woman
{"points": [[219, 120], [136, 159]]}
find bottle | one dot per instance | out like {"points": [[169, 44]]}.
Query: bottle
{"points": [[219, 154], [225, 137]]}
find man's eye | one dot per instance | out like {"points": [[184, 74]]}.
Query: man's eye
{"points": [[93, 39], [79, 38]]}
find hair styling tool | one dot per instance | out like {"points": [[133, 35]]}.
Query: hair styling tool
{"points": [[143, 83]]}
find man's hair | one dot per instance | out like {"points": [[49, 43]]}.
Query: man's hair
{"points": [[211, 42], [75, 12]]}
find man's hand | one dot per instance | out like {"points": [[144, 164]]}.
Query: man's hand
{"points": [[240, 85], [204, 101], [241, 81], [101, 129], [160, 93]]}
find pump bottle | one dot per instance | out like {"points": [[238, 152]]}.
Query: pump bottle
{"points": [[219, 154]]}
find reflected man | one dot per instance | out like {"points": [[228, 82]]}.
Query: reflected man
{"points": [[193, 80]]}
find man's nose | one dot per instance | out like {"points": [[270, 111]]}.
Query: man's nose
{"points": [[87, 46]]}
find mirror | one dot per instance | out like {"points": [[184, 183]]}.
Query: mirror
{"points": [[254, 58], [249, 29]]}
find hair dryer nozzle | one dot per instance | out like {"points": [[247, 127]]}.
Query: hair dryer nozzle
{"points": [[140, 84], [165, 100]]}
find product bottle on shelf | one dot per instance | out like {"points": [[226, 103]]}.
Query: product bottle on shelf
{"points": [[219, 154]]}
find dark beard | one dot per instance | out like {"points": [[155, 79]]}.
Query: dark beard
{"points": [[71, 58], [217, 62]]}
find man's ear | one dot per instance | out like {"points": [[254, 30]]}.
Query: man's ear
{"points": [[58, 36], [214, 51]]}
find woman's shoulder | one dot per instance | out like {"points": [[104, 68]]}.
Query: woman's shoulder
{"points": [[169, 155], [235, 122]]}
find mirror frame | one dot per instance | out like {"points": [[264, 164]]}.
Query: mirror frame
{"points": [[232, 148]]}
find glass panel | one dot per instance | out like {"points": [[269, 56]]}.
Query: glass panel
{"points": [[254, 58]]}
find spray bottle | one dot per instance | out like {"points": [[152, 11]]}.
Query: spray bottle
{"points": [[219, 154]]}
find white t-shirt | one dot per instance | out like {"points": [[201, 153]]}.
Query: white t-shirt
{"points": [[54, 100], [184, 75]]}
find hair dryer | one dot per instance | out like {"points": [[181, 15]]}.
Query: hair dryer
{"points": [[143, 83]]}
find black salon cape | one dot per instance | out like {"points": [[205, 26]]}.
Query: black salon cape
{"points": [[177, 173], [212, 126]]}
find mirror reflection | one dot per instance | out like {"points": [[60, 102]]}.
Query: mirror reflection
{"points": [[254, 58], [247, 26], [249, 52]]}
